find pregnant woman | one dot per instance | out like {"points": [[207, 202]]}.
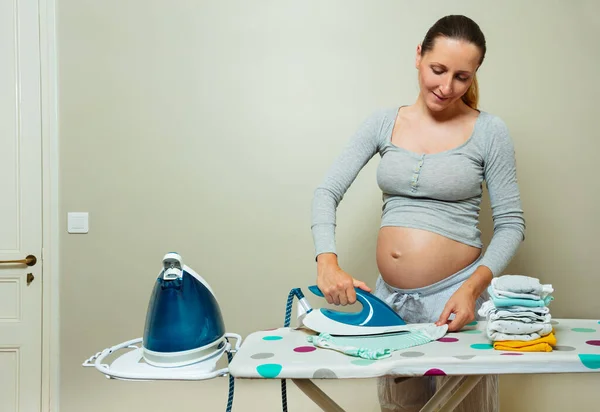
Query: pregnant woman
{"points": [[435, 156]]}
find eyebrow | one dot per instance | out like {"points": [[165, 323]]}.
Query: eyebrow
{"points": [[444, 66]]}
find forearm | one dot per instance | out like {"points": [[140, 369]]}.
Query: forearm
{"points": [[504, 245], [478, 282]]}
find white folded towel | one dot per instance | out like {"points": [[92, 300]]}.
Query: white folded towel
{"points": [[542, 310], [518, 328], [524, 286], [525, 317], [522, 313], [499, 336]]}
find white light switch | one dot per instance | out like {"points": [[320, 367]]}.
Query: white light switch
{"points": [[78, 222]]}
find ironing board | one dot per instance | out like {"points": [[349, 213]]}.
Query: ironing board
{"points": [[465, 356]]}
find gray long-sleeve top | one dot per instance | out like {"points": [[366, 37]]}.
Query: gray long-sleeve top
{"points": [[439, 192]]}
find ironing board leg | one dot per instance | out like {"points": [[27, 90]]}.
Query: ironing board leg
{"points": [[463, 390], [317, 395], [448, 405], [442, 394]]}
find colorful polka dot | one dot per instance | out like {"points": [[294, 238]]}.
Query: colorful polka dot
{"points": [[412, 354], [447, 340], [564, 348], [590, 361], [324, 374], [511, 353], [584, 330], [262, 355], [482, 346], [593, 342], [464, 357], [362, 362], [435, 372], [304, 349], [272, 337], [269, 370], [472, 323], [471, 332]]}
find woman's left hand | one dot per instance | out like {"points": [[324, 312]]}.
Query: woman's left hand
{"points": [[462, 304]]}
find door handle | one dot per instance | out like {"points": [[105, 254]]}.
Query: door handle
{"points": [[30, 260]]}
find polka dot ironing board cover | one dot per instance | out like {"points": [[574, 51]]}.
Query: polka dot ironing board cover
{"points": [[285, 353]]}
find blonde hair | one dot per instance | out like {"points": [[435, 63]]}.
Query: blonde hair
{"points": [[471, 97]]}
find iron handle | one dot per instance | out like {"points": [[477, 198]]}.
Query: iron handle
{"points": [[30, 260]]}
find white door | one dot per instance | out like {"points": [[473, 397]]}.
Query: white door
{"points": [[20, 207]]}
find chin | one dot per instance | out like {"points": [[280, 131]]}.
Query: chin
{"points": [[435, 105]]}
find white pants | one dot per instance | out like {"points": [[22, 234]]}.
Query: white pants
{"points": [[424, 305]]}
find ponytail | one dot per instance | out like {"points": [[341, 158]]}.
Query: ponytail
{"points": [[471, 97]]}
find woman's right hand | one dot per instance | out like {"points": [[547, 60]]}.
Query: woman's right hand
{"points": [[336, 285]]}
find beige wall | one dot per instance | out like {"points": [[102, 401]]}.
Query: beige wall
{"points": [[203, 127]]}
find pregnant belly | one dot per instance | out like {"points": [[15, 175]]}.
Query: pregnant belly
{"points": [[412, 258]]}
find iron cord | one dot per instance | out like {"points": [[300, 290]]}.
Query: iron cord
{"points": [[286, 323]]}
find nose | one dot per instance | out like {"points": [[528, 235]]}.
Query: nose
{"points": [[446, 86]]}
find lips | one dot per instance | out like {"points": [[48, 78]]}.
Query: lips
{"points": [[441, 99]]}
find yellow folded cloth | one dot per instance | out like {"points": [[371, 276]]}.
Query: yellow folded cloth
{"points": [[543, 344]]}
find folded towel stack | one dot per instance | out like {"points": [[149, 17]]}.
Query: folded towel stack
{"points": [[517, 313]]}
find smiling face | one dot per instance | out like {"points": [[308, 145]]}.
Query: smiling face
{"points": [[446, 71]]}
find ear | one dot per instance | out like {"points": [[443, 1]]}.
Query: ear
{"points": [[418, 56]]}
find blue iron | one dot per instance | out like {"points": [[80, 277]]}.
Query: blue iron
{"points": [[375, 317], [184, 333], [184, 324]]}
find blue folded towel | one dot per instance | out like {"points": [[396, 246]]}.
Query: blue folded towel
{"points": [[500, 301]]}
